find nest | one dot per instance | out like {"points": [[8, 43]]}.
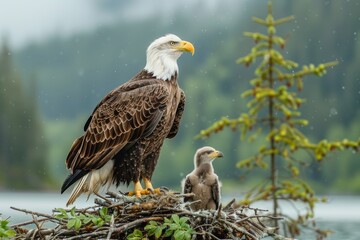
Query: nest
{"points": [[116, 216]]}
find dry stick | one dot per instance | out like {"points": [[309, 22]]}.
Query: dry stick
{"points": [[27, 223], [34, 213], [38, 226], [111, 229], [120, 229], [103, 198], [185, 195], [229, 205], [37, 214], [237, 228], [258, 216]]}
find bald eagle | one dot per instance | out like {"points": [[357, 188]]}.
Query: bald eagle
{"points": [[203, 182], [123, 136]]}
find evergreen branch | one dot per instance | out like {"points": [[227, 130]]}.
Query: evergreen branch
{"points": [[284, 20]]}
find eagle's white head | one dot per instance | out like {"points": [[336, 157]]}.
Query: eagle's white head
{"points": [[162, 55]]}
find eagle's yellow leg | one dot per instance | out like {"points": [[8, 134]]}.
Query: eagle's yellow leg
{"points": [[148, 185], [138, 190]]}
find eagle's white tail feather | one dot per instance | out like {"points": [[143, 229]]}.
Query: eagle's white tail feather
{"points": [[78, 189], [91, 182]]}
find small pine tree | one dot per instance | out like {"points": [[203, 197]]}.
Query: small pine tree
{"points": [[274, 110]]}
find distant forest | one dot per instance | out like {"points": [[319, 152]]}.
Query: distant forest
{"points": [[70, 75]]}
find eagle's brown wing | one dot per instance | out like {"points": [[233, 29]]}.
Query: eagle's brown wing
{"points": [[179, 112], [215, 192], [126, 114], [187, 189]]}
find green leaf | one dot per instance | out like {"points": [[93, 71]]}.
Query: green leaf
{"points": [[62, 211], [168, 233], [158, 232], [62, 214], [94, 220], [72, 212], [87, 220], [149, 227], [166, 220], [187, 234], [10, 233], [179, 234], [173, 226], [183, 220], [103, 212], [175, 218], [77, 224], [135, 235], [100, 222], [71, 223]]}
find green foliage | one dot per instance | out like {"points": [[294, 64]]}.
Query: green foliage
{"points": [[175, 227], [136, 235], [76, 220], [5, 231], [274, 105]]}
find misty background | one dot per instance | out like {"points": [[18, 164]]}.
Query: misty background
{"points": [[59, 58]]}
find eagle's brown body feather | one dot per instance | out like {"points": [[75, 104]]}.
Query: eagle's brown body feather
{"points": [[129, 125], [204, 183]]}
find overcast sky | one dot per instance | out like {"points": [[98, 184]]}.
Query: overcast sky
{"points": [[28, 21], [23, 21]]}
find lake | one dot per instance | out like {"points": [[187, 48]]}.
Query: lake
{"points": [[341, 214]]}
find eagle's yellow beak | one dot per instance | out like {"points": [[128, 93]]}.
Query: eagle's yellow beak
{"points": [[186, 47], [216, 154]]}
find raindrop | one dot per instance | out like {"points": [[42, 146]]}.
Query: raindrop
{"points": [[333, 112]]}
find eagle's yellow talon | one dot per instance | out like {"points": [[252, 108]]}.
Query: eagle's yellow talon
{"points": [[145, 192], [157, 190], [137, 190]]}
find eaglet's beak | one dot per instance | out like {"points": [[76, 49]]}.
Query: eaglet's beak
{"points": [[186, 47], [216, 154]]}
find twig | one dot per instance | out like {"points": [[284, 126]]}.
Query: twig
{"points": [[37, 214], [111, 229], [27, 223], [239, 229], [229, 205], [121, 229]]}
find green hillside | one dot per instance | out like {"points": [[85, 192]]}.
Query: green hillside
{"points": [[73, 74]]}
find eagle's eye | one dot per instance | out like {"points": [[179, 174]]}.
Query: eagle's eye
{"points": [[172, 43]]}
